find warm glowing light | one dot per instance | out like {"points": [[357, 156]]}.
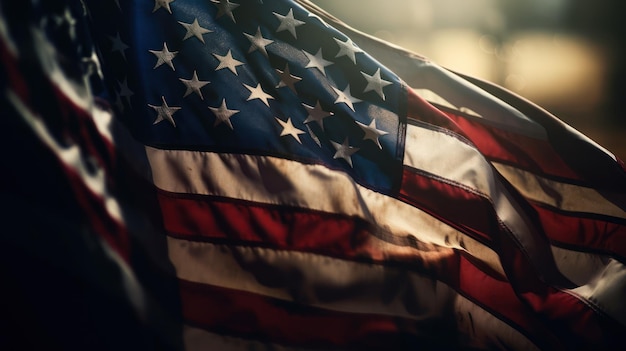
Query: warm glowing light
{"points": [[556, 69]]}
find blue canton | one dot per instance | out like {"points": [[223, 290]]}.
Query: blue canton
{"points": [[252, 77]]}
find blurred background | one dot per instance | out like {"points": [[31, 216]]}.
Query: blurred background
{"points": [[569, 56]]}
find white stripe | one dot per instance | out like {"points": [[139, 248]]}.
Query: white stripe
{"points": [[307, 186], [80, 95], [579, 267], [104, 122], [419, 73], [277, 181], [72, 156], [450, 159], [323, 282], [77, 92], [460, 163], [563, 196], [606, 291], [482, 330], [314, 280]]}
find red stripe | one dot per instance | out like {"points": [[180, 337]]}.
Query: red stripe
{"points": [[577, 324], [469, 212], [499, 297], [78, 126], [206, 218], [453, 204], [96, 214], [249, 315], [420, 110], [450, 203], [76, 122], [561, 312], [587, 161], [527, 153], [523, 152], [583, 234], [472, 214], [278, 227]]}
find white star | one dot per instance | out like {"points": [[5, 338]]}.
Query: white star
{"points": [[118, 45], [317, 61], [165, 112], [258, 42], [289, 129], [346, 97], [316, 114], [372, 133], [223, 114], [375, 83], [162, 3], [227, 61], [344, 151], [194, 85], [164, 56], [125, 92], [194, 29], [347, 48], [258, 93], [225, 7], [288, 22], [287, 79]]}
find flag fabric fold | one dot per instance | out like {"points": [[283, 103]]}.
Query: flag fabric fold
{"points": [[317, 188]]}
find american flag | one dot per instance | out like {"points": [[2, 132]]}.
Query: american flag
{"points": [[317, 188]]}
